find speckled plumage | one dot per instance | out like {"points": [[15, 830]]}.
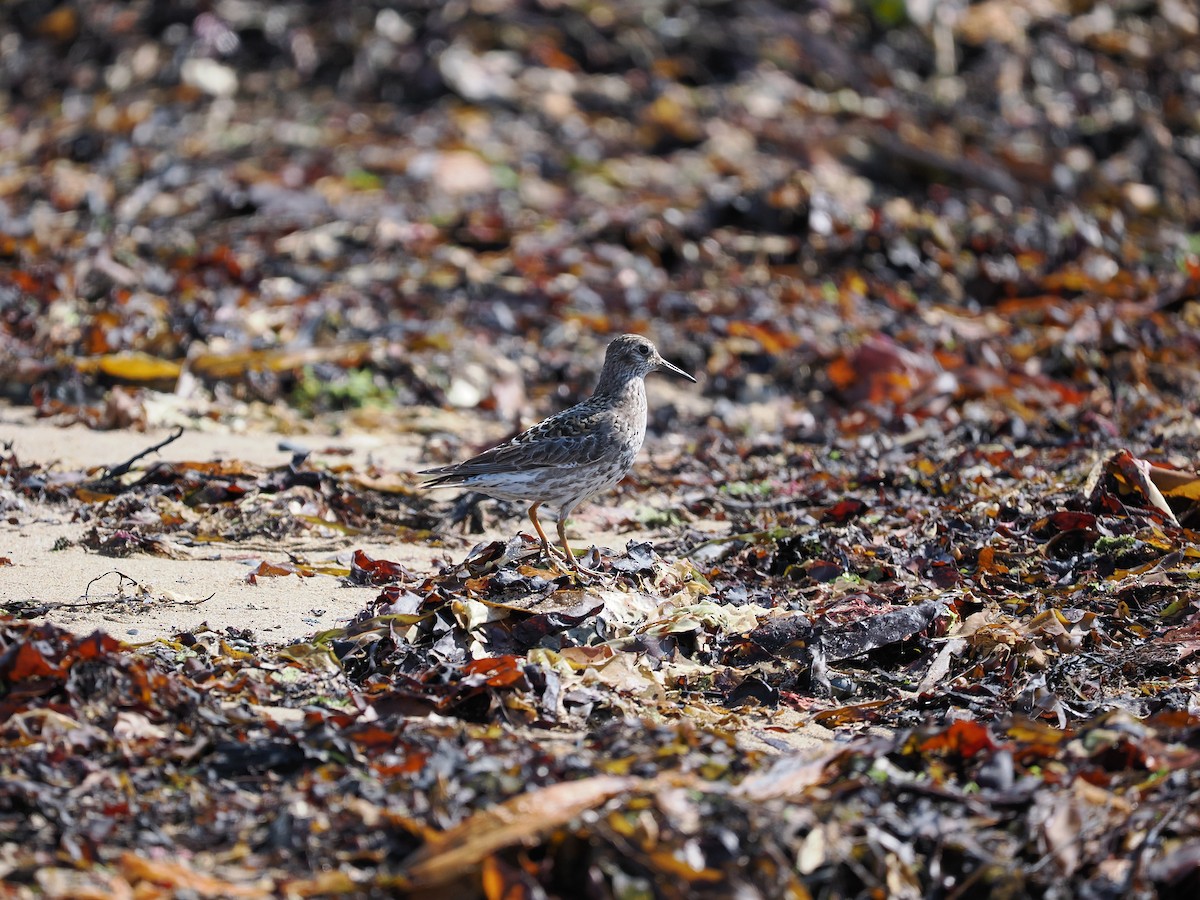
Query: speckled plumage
{"points": [[575, 454]]}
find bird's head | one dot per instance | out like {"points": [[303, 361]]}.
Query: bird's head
{"points": [[633, 356]]}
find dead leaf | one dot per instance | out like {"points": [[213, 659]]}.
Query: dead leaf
{"points": [[523, 818], [178, 877]]}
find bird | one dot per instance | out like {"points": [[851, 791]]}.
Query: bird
{"points": [[575, 454]]}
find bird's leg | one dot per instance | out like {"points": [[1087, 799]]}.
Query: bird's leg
{"points": [[551, 552], [537, 526], [562, 536]]}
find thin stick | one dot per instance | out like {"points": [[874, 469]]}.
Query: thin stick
{"points": [[91, 604], [118, 471], [120, 575]]}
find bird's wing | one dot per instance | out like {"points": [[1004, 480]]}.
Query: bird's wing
{"points": [[572, 438]]}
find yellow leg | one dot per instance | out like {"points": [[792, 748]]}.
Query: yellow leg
{"points": [[562, 536], [550, 552], [537, 526]]}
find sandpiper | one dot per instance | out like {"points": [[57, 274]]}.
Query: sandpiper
{"points": [[576, 453]]}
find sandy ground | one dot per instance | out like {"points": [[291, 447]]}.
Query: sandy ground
{"points": [[178, 594], [278, 610]]}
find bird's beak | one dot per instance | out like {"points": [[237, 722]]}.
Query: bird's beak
{"points": [[663, 364]]}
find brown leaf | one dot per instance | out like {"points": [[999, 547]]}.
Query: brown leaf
{"points": [[181, 879], [1176, 483], [523, 818], [844, 715], [269, 570], [986, 563]]}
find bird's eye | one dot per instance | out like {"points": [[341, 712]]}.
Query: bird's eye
{"points": [[644, 350]]}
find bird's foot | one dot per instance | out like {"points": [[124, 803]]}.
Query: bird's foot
{"points": [[554, 556], [581, 569], [557, 561], [561, 566]]}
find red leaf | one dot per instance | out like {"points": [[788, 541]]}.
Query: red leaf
{"points": [[30, 662], [843, 511], [365, 570], [501, 671], [962, 738]]}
